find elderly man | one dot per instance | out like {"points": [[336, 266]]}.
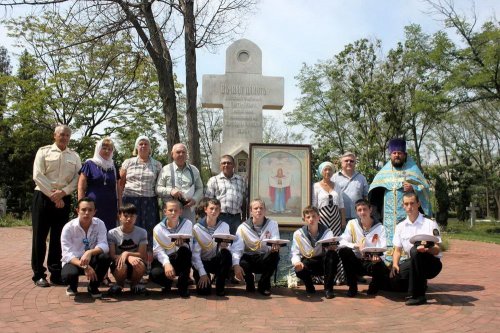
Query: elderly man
{"points": [[352, 183], [181, 180], [230, 189], [55, 172], [399, 176]]}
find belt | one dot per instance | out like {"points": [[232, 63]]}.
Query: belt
{"points": [[231, 214]]}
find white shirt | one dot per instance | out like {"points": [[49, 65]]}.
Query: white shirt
{"points": [[354, 234], [406, 230], [204, 246], [163, 245], [302, 246], [73, 239], [250, 241], [321, 197], [56, 169]]}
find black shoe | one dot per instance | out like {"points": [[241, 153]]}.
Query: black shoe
{"points": [[56, 280], [329, 294], [265, 292], [416, 301], [310, 289], [372, 289], [250, 287], [94, 292], [42, 283], [352, 293], [184, 293], [220, 293], [71, 291]]}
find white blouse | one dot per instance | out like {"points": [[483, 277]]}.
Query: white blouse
{"points": [[321, 197]]}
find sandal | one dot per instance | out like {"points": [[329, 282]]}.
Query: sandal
{"points": [[139, 290]]}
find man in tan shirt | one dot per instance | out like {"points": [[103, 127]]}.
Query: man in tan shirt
{"points": [[55, 172]]}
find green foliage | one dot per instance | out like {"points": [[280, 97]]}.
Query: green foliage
{"points": [[95, 87], [360, 99], [482, 231], [11, 220]]}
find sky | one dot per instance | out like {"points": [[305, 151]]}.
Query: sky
{"points": [[293, 32]]}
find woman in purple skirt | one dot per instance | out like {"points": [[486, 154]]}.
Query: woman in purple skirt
{"points": [[98, 180]]}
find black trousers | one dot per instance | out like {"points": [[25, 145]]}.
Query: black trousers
{"points": [[45, 218], [264, 264], [233, 221], [324, 265], [99, 263], [181, 261], [354, 266], [220, 265], [413, 273]]}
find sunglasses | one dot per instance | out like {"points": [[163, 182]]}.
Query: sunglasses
{"points": [[330, 200], [86, 243]]}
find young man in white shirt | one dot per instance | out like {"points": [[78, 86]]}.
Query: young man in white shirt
{"points": [[172, 257], [309, 257], [252, 255], [210, 255], [413, 264], [84, 249], [361, 233]]}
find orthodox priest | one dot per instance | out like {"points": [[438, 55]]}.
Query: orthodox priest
{"points": [[398, 176]]}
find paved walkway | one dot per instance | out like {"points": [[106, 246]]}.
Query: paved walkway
{"points": [[463, 298]]}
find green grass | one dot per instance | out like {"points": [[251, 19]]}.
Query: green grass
{"points": [[488, 232], [10, 220]]}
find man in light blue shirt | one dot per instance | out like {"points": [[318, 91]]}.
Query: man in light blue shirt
{"points": [[353, 184]]}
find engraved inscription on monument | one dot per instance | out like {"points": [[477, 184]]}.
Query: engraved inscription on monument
{"points": [[242, 92]]}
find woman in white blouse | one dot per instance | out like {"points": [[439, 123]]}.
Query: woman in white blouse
{"points": [[329, 201]]}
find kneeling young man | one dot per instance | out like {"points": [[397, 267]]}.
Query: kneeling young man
{"points": [[84, 249], [250, 254], [359, 234], [413, 264], [127, 249], [171, 257], [208, 255], [312, 258]]}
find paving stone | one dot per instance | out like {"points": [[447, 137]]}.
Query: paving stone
{"points": [[463, 298]]}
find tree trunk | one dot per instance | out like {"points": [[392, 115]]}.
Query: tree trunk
{"points": [[191, 84], [160, 54]]}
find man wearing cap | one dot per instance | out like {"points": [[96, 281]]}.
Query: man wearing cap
{"points": [[230, 189], [352, 183], [181, 180], [415, 259], [400, 175], [55, 172]]}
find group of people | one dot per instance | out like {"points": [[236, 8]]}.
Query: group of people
{"points": [[223, 243]]}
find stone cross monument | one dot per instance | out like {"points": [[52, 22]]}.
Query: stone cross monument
{"points": [[242, 92]]}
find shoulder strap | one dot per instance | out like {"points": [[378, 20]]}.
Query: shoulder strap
{"points": [[172, 175]]}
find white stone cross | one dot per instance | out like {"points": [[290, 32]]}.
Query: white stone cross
{"points": [[473, 209], [242, 93]]}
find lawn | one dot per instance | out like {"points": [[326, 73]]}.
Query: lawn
{"points": [[488, 232]]}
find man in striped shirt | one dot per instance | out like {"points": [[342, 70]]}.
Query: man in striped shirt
{"points": [[230, 189]]}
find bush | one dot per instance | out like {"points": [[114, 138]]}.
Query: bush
{"points": [[10, 220]]}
